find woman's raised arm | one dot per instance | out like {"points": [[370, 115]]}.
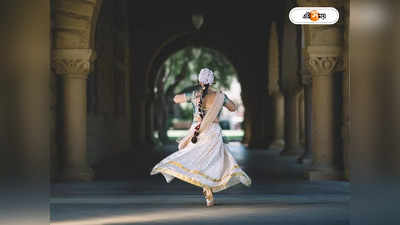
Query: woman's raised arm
{"points": [[180, 98], [229, 104]]}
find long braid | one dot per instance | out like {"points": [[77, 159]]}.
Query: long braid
{"points": [[202, 113]]}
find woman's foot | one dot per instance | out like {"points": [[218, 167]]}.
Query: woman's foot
{"points": [[209, 197]]}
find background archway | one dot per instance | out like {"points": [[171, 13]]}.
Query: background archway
{"points": [[178, 74], [194, 39], [254, 88]]}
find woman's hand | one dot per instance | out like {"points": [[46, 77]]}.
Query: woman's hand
{"points": [[230, 105], [180, 98]]}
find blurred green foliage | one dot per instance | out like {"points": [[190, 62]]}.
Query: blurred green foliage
{"points": [[191, 60], [186, 113]]}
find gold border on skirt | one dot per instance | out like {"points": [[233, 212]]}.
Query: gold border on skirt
{"points": [[199, 172], [198, 183]]}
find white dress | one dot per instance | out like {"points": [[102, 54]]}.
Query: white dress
{"points": [[207, 163]]}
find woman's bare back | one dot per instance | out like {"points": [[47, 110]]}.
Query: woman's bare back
{"points": [[208, 99]]}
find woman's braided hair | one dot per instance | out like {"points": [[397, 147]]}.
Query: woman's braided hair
{"points": [[202, 113]]}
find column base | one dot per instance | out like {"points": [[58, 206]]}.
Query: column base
{"points": [[291, 151], [78, 174], [331, 174]]}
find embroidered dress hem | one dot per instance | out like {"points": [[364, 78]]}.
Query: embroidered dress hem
{"points": [[232, 179], [207, 163]]}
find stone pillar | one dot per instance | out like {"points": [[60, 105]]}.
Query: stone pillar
{"points": [[279, 120], [273, 86], [322, 61], [292, 134], [306, 156], [73, 65], [346, 93], [289, 83], [301, 118], [324, 45]]}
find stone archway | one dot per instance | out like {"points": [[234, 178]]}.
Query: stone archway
{"points": [[72, 56], [168, 48], [174, 44]]}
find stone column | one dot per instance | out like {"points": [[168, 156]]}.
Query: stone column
{"points": [[73, 65], [279, 120], [322, 61], [289, 83], [306, 80], [346, 93], [274, 88], [301, 118], [292, 134]]}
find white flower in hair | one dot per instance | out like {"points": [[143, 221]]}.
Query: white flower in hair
{"points": [[206, 76]]}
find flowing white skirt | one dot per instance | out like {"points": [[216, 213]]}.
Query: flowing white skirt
{"points": [[208, 163]]}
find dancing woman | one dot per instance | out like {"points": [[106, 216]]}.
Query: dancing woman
{"points": [[203, 159]]}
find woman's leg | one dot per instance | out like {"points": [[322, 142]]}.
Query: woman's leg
{"points": [[209, 196]]}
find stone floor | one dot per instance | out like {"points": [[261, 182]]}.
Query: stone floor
{"points": [[279, 195]]}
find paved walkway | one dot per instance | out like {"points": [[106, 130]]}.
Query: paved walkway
{"points": [[279, 195]]}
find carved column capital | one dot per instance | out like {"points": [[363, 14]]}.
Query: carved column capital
{"points": [[72, 63], [322, 60]]}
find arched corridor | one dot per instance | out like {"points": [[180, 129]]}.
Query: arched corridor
{"points": [[77, 112], [106, 57], [288, 140], [105, 80]]}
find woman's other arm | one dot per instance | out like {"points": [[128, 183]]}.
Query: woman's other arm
{"points": [[185, 97], [180, 98]]}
